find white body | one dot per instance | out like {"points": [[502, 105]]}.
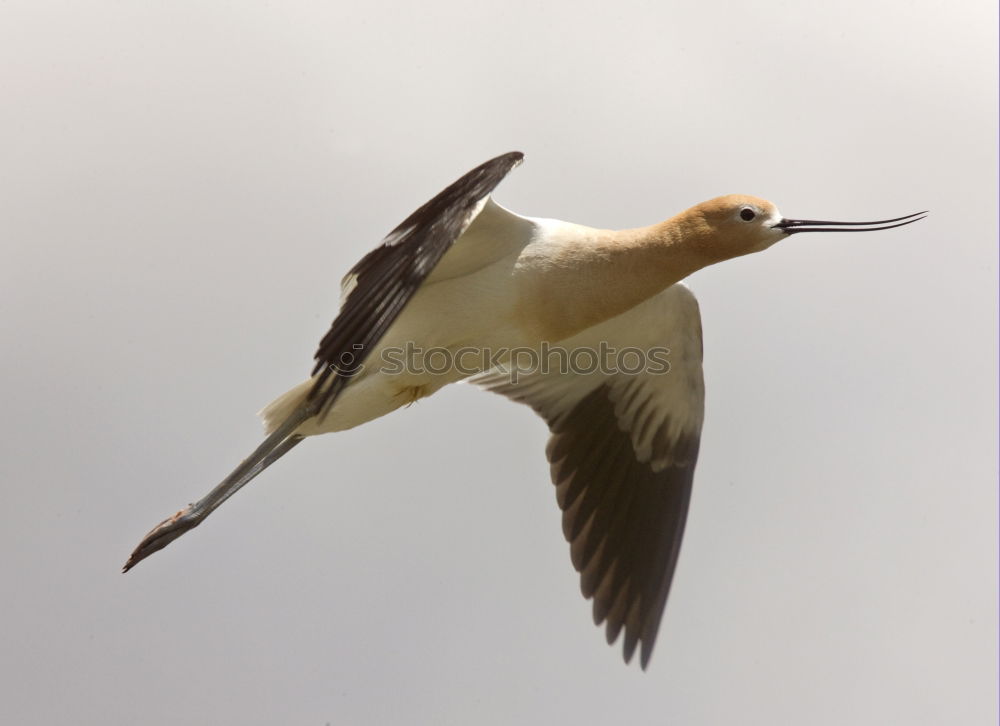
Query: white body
{"points": [[493, 272]]}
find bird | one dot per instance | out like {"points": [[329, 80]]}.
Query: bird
{"points": [[592, 328]]}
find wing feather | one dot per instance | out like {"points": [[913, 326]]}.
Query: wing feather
{"points": [[622, 453], [378, 287]]}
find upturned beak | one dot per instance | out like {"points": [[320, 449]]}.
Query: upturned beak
{"points": [[791, 226]]}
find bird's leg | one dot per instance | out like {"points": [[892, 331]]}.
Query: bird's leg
{"points": [[279, 443]]}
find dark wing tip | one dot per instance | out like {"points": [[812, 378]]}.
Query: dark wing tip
{"points": [[623, 518], [513, 158], [516, 157], [461, 195]]}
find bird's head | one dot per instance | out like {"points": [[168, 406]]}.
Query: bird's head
{"points": [[738, 224]]}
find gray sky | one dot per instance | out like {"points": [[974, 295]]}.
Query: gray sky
{"points": [[182, 187]]}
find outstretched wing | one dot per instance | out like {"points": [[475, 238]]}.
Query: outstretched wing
{"points": [[377, 288], [622, 452]]}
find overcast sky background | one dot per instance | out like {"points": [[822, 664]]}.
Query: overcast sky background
{"points": [[182, 186]]}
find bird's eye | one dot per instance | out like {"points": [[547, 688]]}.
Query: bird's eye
{"points": [[747, 214]]}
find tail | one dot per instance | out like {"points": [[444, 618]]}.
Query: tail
{"points": [[277, 411]]}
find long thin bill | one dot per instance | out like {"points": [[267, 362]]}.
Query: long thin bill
{"points": [[791, 226]]}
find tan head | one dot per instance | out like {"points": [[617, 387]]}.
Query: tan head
{"points": [[738, 224]]}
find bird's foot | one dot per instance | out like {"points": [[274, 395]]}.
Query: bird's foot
{"points": [[161, 535]]}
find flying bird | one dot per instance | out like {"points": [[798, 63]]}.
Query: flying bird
{"points": [[592, 328]]}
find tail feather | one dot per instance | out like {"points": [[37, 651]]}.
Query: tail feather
{"points": [[275, 413]]}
